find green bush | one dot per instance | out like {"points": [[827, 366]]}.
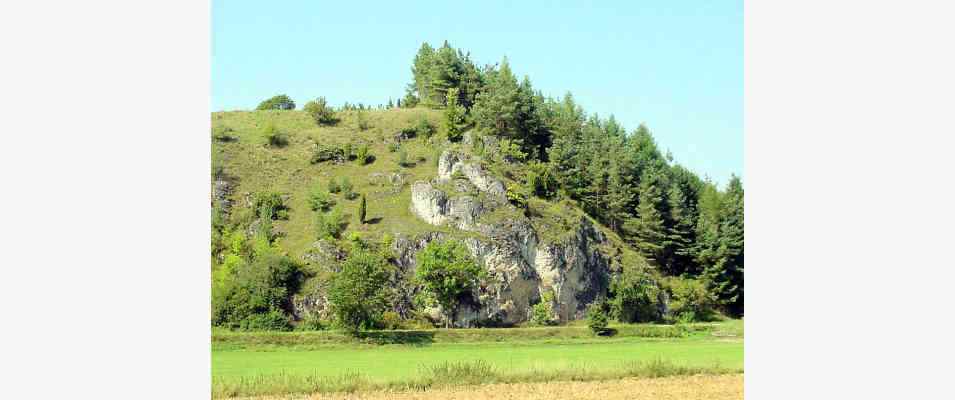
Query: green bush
{"points": [[331, 225], [320, 111], [402, 158], [516, 196], [360, 293], [311, 323], [542, 313], [635, 297], [689, 300], [393, 147], [424, 128], [540, 180], [280, 102], [334, 186], [362, 210], [447, 271], [597, 318], [273, 320], [319, 200], [274, 138], [362, 155], [254, 295], [323, 154], [363, 122], [347, 150], [390, 320], [269, 205], [348, 189]]}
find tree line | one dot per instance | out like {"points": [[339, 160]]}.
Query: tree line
{"points": [[684, 225]]}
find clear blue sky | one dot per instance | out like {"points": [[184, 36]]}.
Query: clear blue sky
{"points": [[676, 65]]}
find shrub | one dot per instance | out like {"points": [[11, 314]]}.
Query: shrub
{"points": [[402, 158], [635, 297], [453, 116], [516, 197], [269, 205], [221, 133], [280, 102], [597, 319], [273, 137], [263, 286], [510, 151], [311, 323], [348, 189], [331, 225], [689, 300], [319, 110], [363, 123], [319, 200], [362, 154], [362, 209], [542, 313], [360, 293], [390, 320], [447, 271], [541, 181], [273, 320], [424, 128], [334, 186], [393, 147]]}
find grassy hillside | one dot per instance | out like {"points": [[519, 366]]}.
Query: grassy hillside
{"points": [[245, 155], [287, 169]]}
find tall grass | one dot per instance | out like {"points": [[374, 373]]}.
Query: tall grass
{"points": [[448, 374]]}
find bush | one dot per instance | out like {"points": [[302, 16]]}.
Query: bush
{"points": [[403, 158], [347, 150], [516, 197], [311, 323], [320, 111], [541, 181], [273, 137], [424, 128], [510, 151], [635, 297], [393, 147], [689, 300], [269, 206], [390, 320], [273, 320], [453, 116], [362, 210], [597, 319], [447, 271], [331, 225], [280, 102], [348, 189], [542, 313], [319, 199], [253, 296], [362, 154], [334, 186], [360, 293], [363, 122]]}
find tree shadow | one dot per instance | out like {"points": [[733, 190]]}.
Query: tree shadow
{"points": [[373, 221], [414, 338]]}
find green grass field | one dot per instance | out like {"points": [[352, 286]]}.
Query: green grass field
{"points": [[237, 360]]}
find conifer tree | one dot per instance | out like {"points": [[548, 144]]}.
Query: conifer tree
{"points": [[362, 209], [647, 229], [453, 116]]}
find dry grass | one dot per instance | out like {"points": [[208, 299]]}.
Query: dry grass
{"points": [[709, 387]]}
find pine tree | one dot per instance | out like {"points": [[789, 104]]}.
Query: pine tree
{"points": [[496, 107], [648, 230], [453, 116], [421, 70], [679, 232], [362, 208]]}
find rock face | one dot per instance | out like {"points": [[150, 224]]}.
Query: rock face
{"points": [[452, 162], [519, 267]]}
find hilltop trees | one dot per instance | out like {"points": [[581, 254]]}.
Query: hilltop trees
{"points": [[280, 102], [453, 116]]}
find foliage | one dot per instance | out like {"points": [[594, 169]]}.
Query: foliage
{"points": [[448, 272], [635, 297], [331, 225], [516, 196], [362, 209], [320, 111], [273, 137], [348, 190], [280, 102], [597, 317], [453, 116], [363, 122], [311, 323], [324, 153], [360, 293], [319, 200], [689, 300], [424, 128], [390, 320], [542, 313], [403, 159], [334, 186], [348, 151], [269, 205], [540, 180], [362, 155], [252, 295]]}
